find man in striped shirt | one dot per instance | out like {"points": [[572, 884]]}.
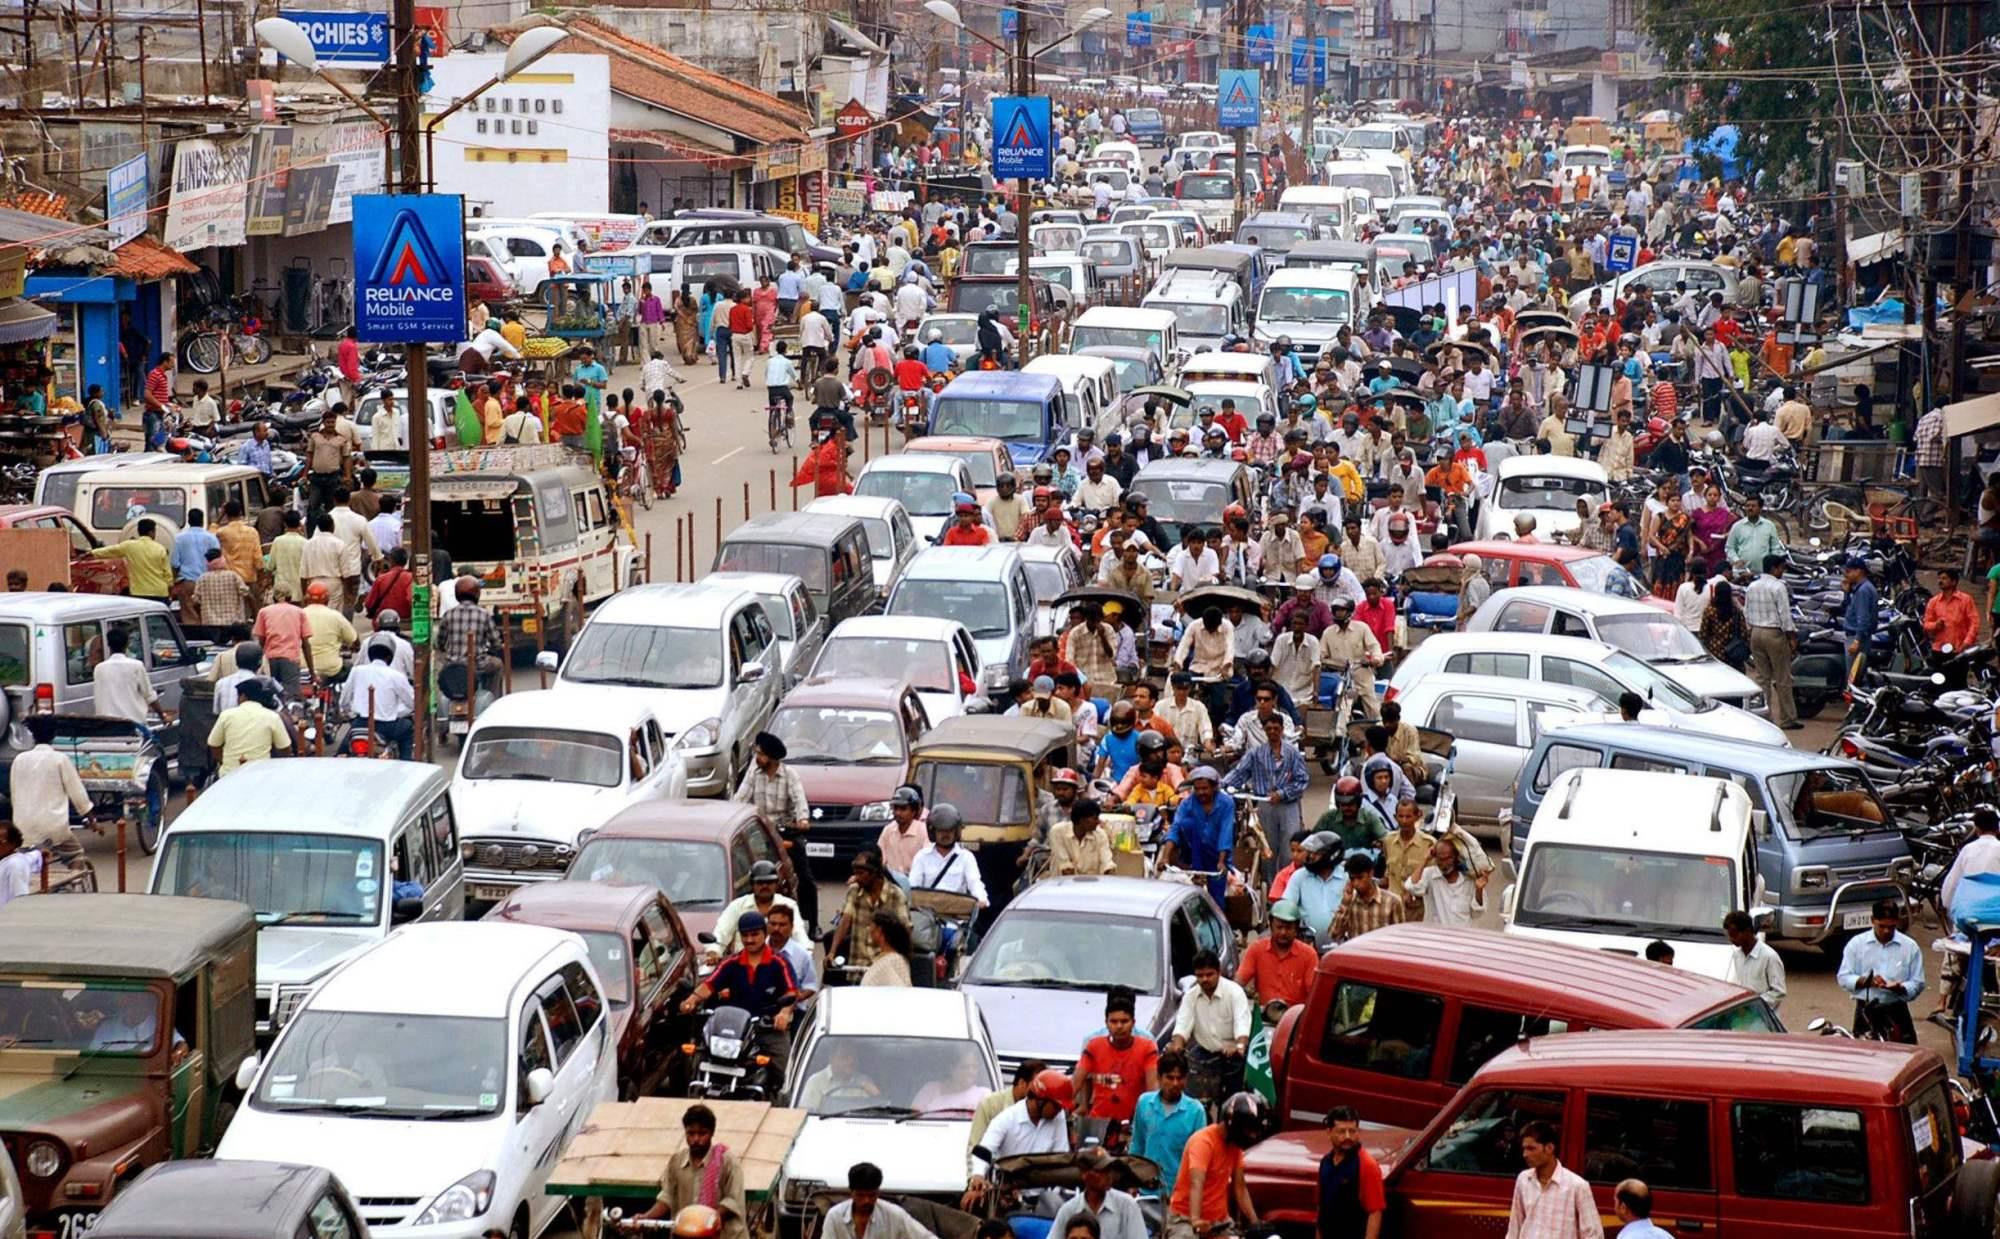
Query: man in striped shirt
{"points": [[1767, 609], [159, 395]]}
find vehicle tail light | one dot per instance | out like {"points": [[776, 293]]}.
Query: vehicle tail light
{"points": [[687, 1047], [1390, 693], [1848, 748], [1961, 1114], [361, 746], [763, 1060], [45, 692]]}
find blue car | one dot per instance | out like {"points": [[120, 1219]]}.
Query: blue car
{"points": [[1024, 411]]}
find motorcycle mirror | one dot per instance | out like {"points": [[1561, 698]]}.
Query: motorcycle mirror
{"points": [[1816, 1024], [1812, 542]]}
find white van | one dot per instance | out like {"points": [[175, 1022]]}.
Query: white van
{"points": [[1258, 367], [574, 240], [1311, 305], [1126, 153], [323, 876], [1208, 305], [1617, 859], [1157, 330], [603, 230], [440, 1073], [1326, 205], [1089, 389]]}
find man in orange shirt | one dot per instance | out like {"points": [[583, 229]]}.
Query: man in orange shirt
{"points": [[1211, 1173], [1951, 619], [1117, 1066], [825, 467], [567, 419], [1277, 968]]}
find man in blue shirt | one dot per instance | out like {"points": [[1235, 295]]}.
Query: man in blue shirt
{"points": [[593, 376], [1164, 1121], [1862, 614], [1204, 830], [1884, 971], [191, 547], [790, 286], [938, 356]]}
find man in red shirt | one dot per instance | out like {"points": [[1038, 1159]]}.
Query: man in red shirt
{"points": [[742, 337], [911, 373], [1951, 620], [1231, 421], [1277, 968], [966, 529], [348, 358], [1046, 661], [1117, 1066], [825, 467], [568, 417], [1378, 613], [1351, 1199], [159, 394]]}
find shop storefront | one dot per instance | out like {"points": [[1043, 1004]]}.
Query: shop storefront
{"points": [[26, 434]]}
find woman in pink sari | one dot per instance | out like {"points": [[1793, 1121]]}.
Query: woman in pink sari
{"points": [[1711, 524], [764, 303]]}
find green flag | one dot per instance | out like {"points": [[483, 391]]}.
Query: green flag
{"points": [[470, 432], [1257, 1058], [593, 426]]}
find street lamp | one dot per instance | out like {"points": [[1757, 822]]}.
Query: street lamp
{"points": [[526, 49], [1023, 62]]}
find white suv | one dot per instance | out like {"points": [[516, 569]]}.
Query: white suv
{"points": [[439, 1074]]}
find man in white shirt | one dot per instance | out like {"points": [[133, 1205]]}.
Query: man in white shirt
{"points": [[945, 866], [1117, 1213], [358, 551], [1479, 381], [20, 866], [390, 427], [912, 302], [1034, 1124], [1753, 964], [377, 687], [1761, 439], [658, 374], [44, 787], [120, 686], [388, 626], [204, 412], [864, 1212], [1214, 1021], [1099, 491], [521, 426], [249, 665], [1981, 855], [1192, 564], [386, 526], [489, 341]]}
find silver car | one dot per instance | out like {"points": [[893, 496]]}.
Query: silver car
{"points": [[1494, 722], [795, 617]]}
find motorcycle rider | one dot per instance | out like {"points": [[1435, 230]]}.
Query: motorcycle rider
{"points": [[946, 865], [938, 357], [760, 981], [1008, 513]]}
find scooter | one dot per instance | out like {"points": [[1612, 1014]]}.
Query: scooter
{"points": [[729, 1064], [459, 712]]}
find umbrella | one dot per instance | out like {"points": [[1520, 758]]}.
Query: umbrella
{"points": [[1199, 599]]}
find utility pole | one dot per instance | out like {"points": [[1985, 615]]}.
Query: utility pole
{"points": [[1024, 80], [1961, 254], [1312, 94], [1238, 61], [417, 497]]}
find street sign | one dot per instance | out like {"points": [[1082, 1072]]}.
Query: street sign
{"points": [[1010, 23], [1236, 99], [1621, 252], [341, 38], [409, 264], [1260, 45], [1593, 387], [1139, 29], [1021, 128], [1318, 62]]}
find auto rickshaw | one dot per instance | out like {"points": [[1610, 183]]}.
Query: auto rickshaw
{"points": [[995, 769]]}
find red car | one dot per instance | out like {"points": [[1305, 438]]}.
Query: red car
{"points": [[1557, 563], [86, 575], [646, 958], [485, 281], [849, 741]]}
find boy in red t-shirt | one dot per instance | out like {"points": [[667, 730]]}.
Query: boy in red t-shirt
{"points": [[1118, 1066]]}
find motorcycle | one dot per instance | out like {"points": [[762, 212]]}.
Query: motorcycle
{"points": [[452, 684], [941, 934], [729, 1065], [913, 412]]}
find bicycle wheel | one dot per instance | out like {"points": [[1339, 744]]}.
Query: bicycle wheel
{"points": [[253, 350], [203, 353]]}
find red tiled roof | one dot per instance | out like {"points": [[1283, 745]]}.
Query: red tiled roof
{"points": [[646, 73], [143, 259], [39, 202]]}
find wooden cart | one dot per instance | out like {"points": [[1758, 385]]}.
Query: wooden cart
{"points": [[621, 1151]]}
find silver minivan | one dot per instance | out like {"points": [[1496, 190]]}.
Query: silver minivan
{"points": [[58, 639]]}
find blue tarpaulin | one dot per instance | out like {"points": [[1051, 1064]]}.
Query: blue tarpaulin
{"points": [[1887, 310], [1977, 900]]}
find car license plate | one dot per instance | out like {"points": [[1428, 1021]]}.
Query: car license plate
{"points": [[491, 894], [75, 1223], [1859, 919], [819, 849]]}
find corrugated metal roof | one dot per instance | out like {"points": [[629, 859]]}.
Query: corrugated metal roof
{"points": [[28, 228]]}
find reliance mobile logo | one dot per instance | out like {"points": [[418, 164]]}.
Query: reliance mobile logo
{"points": [[408, 268], [1239, 93], [1021, 136]]}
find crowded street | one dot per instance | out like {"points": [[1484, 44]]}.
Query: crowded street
{"points": [[1001, 623]]}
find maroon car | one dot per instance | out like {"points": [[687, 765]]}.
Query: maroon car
{"points": [[698, 852], [848, 740], [485, 281], [646, 958]]}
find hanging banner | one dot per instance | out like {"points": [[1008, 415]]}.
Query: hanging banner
{"points": [[1260, 45], [1139, 30], [1236, 99], [206, 204], [127, 189], [409, 268], [270, 178]]}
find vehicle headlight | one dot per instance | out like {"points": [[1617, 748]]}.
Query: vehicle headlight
{"points": [[44, 1159], [725, 1047], [466, 851], [464, 1200], [799, 1191], [702, 735], [996, 677], [1755, 703], [1811, 878], [876, 812]]}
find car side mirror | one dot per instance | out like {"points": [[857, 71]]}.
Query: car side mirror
{"points": [[547, 660], [1818, 1024], [246, 1073], [1763, 918], [1760, 824], [403, 911], [705, 937], [539, 1084], [751, 673]]}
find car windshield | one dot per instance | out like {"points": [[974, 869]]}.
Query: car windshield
{"points": [[645, 656], [986, 259], [979, 462], [1057, 240], [921, 494], [1198, 319], [836, 736], [999, 296], [955, 330], [543, 755], [1106, 250], [1656, 637], [1133, 372], [1305, 305], [1600, 574], [286, 878], [1828, 800], [98, 1017], [1416, 247], [1277, 238], [1131, 337], [921, 1075], [1183, 500], [1370, 139], [1641, 678], [980, 605], [1143, 116], [1378, 184], [1015, 420], [926, 664], [1612, 890], [1070, 950], [387, 1066], [693, 874], [1208, 401], [1207, 187], [1156, 238], [808, 563], [614, 966], [985, 792], [1056, 273], [1540, 490]]}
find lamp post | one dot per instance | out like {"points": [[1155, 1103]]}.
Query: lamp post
{"points": [[289, 40], [1022, 60]]}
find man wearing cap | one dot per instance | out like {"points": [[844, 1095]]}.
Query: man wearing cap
{"points": [[1009, 512], [1204, 830], [1117, 1213], [762, 898], [966, 528], [1352, 650], [904, 834], [1049, 527], [1043, 703], [331, 633], [1278, 967], [1080, 846], [780, 798], [1304, 599], [1280, 550], [1129, 575], [759, 980], [1861, 615]]}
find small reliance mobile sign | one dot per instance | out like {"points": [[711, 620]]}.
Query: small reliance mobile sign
{"points": [[1021, 145]]}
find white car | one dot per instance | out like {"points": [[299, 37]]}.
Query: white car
{"points": [[892, 540], [1583, 662], [922, 482], [443, 426], [795, 618], [932, 654], [541, 769], [440, 1074], [1207, 138], [1544, 487], [960, 332], [893, 1071], [1656, 278], [1640, 629], [1617, 859]]}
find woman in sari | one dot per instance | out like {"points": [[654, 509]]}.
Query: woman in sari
{"points": [[662, 446], [687, 329], [764, 303]]}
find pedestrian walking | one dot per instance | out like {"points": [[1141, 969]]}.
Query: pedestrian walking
{"points": [[1767, 608]]}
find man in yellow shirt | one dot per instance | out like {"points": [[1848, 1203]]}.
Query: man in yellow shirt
{"points": [[242, 549], [1346, 474], [287, 560], [514, 331], [251, 730], [492, 417], [331, 633], [147, 564]]}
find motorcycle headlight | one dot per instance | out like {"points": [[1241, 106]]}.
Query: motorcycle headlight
{"points": [[463, 1201], [44, 1159], [876, 812], [725, 1047], [799, 1191], [702, 735]]}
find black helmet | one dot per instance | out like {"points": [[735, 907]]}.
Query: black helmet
{"points": [[764, 871], [1258, 661], [1150, 742], [944, 817], [1245, 1119], [906, 797]]}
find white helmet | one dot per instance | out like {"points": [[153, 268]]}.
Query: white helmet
{"points": [[934, 336]]}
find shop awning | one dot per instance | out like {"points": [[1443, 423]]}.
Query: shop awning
{"points": [[1969, 416], [24, 320], [1874, 247]]}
